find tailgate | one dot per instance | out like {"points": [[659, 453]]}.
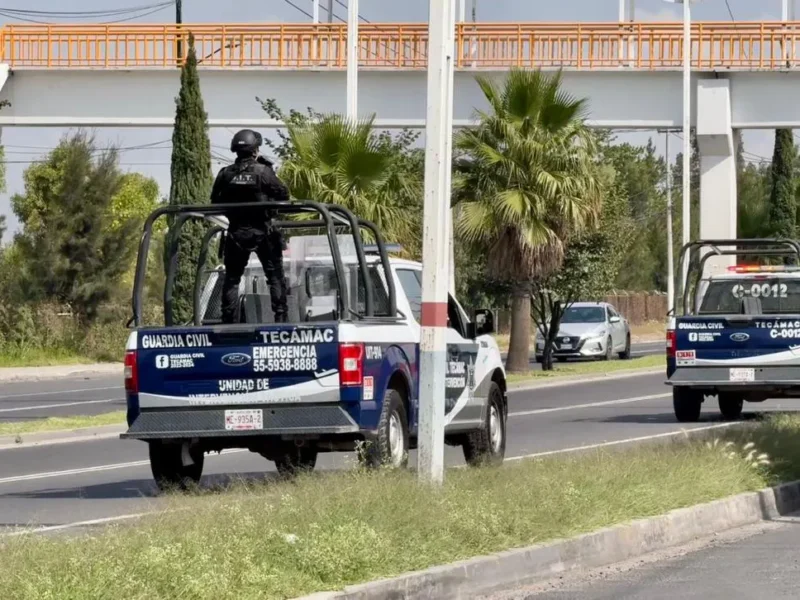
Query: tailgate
{"points": [[737, 340], [269, 364]]}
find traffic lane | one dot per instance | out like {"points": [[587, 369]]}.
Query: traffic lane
{"points": [[755, 563], [28, 401]]}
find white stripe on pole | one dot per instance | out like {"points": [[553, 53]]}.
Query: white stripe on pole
{"points": [[352, 59], [435, 263]]}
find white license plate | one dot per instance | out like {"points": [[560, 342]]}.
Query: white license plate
{"points": [[566, 346], [742, 375], [244, 420]]}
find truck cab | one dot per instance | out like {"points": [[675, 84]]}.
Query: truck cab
{"points": [[341, 375]]}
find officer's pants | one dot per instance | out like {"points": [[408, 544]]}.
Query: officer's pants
{"points": [[268, 246]]}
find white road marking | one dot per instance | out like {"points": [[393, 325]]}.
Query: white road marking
{"points": [[103, 521], [541, 411], [43, 406], [54, 393], [97, 469], [626, 441]]}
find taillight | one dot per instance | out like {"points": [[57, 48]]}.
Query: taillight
{"points": [[670, 342], [351, 364], [131, 373]]}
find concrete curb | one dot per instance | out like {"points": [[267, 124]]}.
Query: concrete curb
{"points": [[22, 374], [576, 379], [63, 436], [525, 566]]}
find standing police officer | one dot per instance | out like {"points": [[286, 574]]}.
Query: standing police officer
{"points": [[251, 179]]}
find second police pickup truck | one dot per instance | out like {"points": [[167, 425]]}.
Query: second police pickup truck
{"points": [[738, 337], [342, 374]]}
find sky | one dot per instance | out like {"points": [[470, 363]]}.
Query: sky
{"points": [[24, 145]]}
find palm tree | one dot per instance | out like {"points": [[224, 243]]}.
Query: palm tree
{"points": [[338, 161], [526, 182]]}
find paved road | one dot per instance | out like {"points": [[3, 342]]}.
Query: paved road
{"points": [[53, 485], [755, 563], [96, 395]]}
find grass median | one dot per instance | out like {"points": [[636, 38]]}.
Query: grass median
{"points": [[322, 532], [62, 423]]}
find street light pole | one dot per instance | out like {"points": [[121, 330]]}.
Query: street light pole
{"points": [[352, 60], [670, 242], [435, 263], [315, 11], [687, 125]]}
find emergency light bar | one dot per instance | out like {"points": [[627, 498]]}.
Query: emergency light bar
{"points": [[764, 269]]}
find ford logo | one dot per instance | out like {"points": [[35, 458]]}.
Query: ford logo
{"points": [[740, 337], [237, 359]]}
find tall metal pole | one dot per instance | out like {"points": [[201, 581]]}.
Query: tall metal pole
{"points": [[687, 125], [670, 243], [462, 11], [438, 156], [352, 59], [330, 11], [315, 11]]}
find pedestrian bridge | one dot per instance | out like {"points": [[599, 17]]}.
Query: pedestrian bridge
{"points": [[745, 77]]}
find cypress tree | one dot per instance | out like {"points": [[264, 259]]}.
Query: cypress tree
{"points": [[782, 204], [192, 179]]}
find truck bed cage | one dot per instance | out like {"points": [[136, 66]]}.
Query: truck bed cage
{"points": [[749, 247], [330, 216]]}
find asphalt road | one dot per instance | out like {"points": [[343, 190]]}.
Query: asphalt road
{"points": [[63, 484], [753, 563], [80, 396]]}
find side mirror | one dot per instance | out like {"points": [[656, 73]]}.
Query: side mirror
{"points": [[614, 320], [483, 322]]}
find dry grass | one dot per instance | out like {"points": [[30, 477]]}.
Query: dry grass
{"points": [[589, 368], [322, 532]]}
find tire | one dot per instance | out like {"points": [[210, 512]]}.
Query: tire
{"points": [[687, 404], [389, 448], [293, 460], [167, 466], [609, 349], [487, 446], [730, 405], [626, 354]]}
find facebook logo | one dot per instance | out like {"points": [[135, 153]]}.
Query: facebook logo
{"points": [[162, 361]]}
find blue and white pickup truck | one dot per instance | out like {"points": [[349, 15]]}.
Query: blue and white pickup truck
{"points": [[739, 335], [342, 374]]}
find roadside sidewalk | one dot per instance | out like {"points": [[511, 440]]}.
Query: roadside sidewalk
{"points": [[22, 374]]}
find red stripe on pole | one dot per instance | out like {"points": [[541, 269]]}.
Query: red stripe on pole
{"points": [[434, 314]]}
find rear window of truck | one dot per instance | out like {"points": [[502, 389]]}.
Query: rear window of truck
{"points": [[773, 295]]}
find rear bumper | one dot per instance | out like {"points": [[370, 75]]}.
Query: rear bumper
{"points": [[210, 422], [718, 378]]}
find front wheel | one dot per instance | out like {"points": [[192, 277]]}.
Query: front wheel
{"points": [[626, 354], [169, 470], [609, 349], [687, 404], [487, 446]]}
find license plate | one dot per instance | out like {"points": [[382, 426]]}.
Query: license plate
{"points": [[742, 375], [244, 420], [566, 346]]}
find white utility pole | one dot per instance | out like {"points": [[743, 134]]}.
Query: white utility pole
{"points": [[315, 11], [687, 132], [670, 243], [436, 217], [352, 60], [462, 11], [787, 10]]}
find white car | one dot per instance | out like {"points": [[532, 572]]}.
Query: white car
{"points": [[589, 330]]}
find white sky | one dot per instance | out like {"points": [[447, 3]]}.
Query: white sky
{"points": [[19, 141]]}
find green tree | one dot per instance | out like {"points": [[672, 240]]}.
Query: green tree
{"points": [[530, 184], [376, 176], [191, 179], [592, 262], [782, 203], [67, 251]]}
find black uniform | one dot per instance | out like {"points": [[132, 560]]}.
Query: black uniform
{"points": [[251, 179]]}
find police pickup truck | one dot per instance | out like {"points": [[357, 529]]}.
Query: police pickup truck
{"points": [[342, 374], [739, 335]]}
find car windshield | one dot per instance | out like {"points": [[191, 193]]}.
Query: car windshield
{"points": [[771, 295], [584, 314]]}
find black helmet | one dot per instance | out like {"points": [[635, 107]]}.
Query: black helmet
{"points": [[246, 141]]}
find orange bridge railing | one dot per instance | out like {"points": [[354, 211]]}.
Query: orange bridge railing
{"points": [[654, 46]]}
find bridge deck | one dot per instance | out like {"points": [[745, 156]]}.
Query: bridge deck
{"points": [[580, 46]]}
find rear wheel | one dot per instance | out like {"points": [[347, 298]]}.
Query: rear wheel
{"points": [[166, 463], [687, 404], [487, 446], [730, 405], [293, 460], [390, 446]]}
